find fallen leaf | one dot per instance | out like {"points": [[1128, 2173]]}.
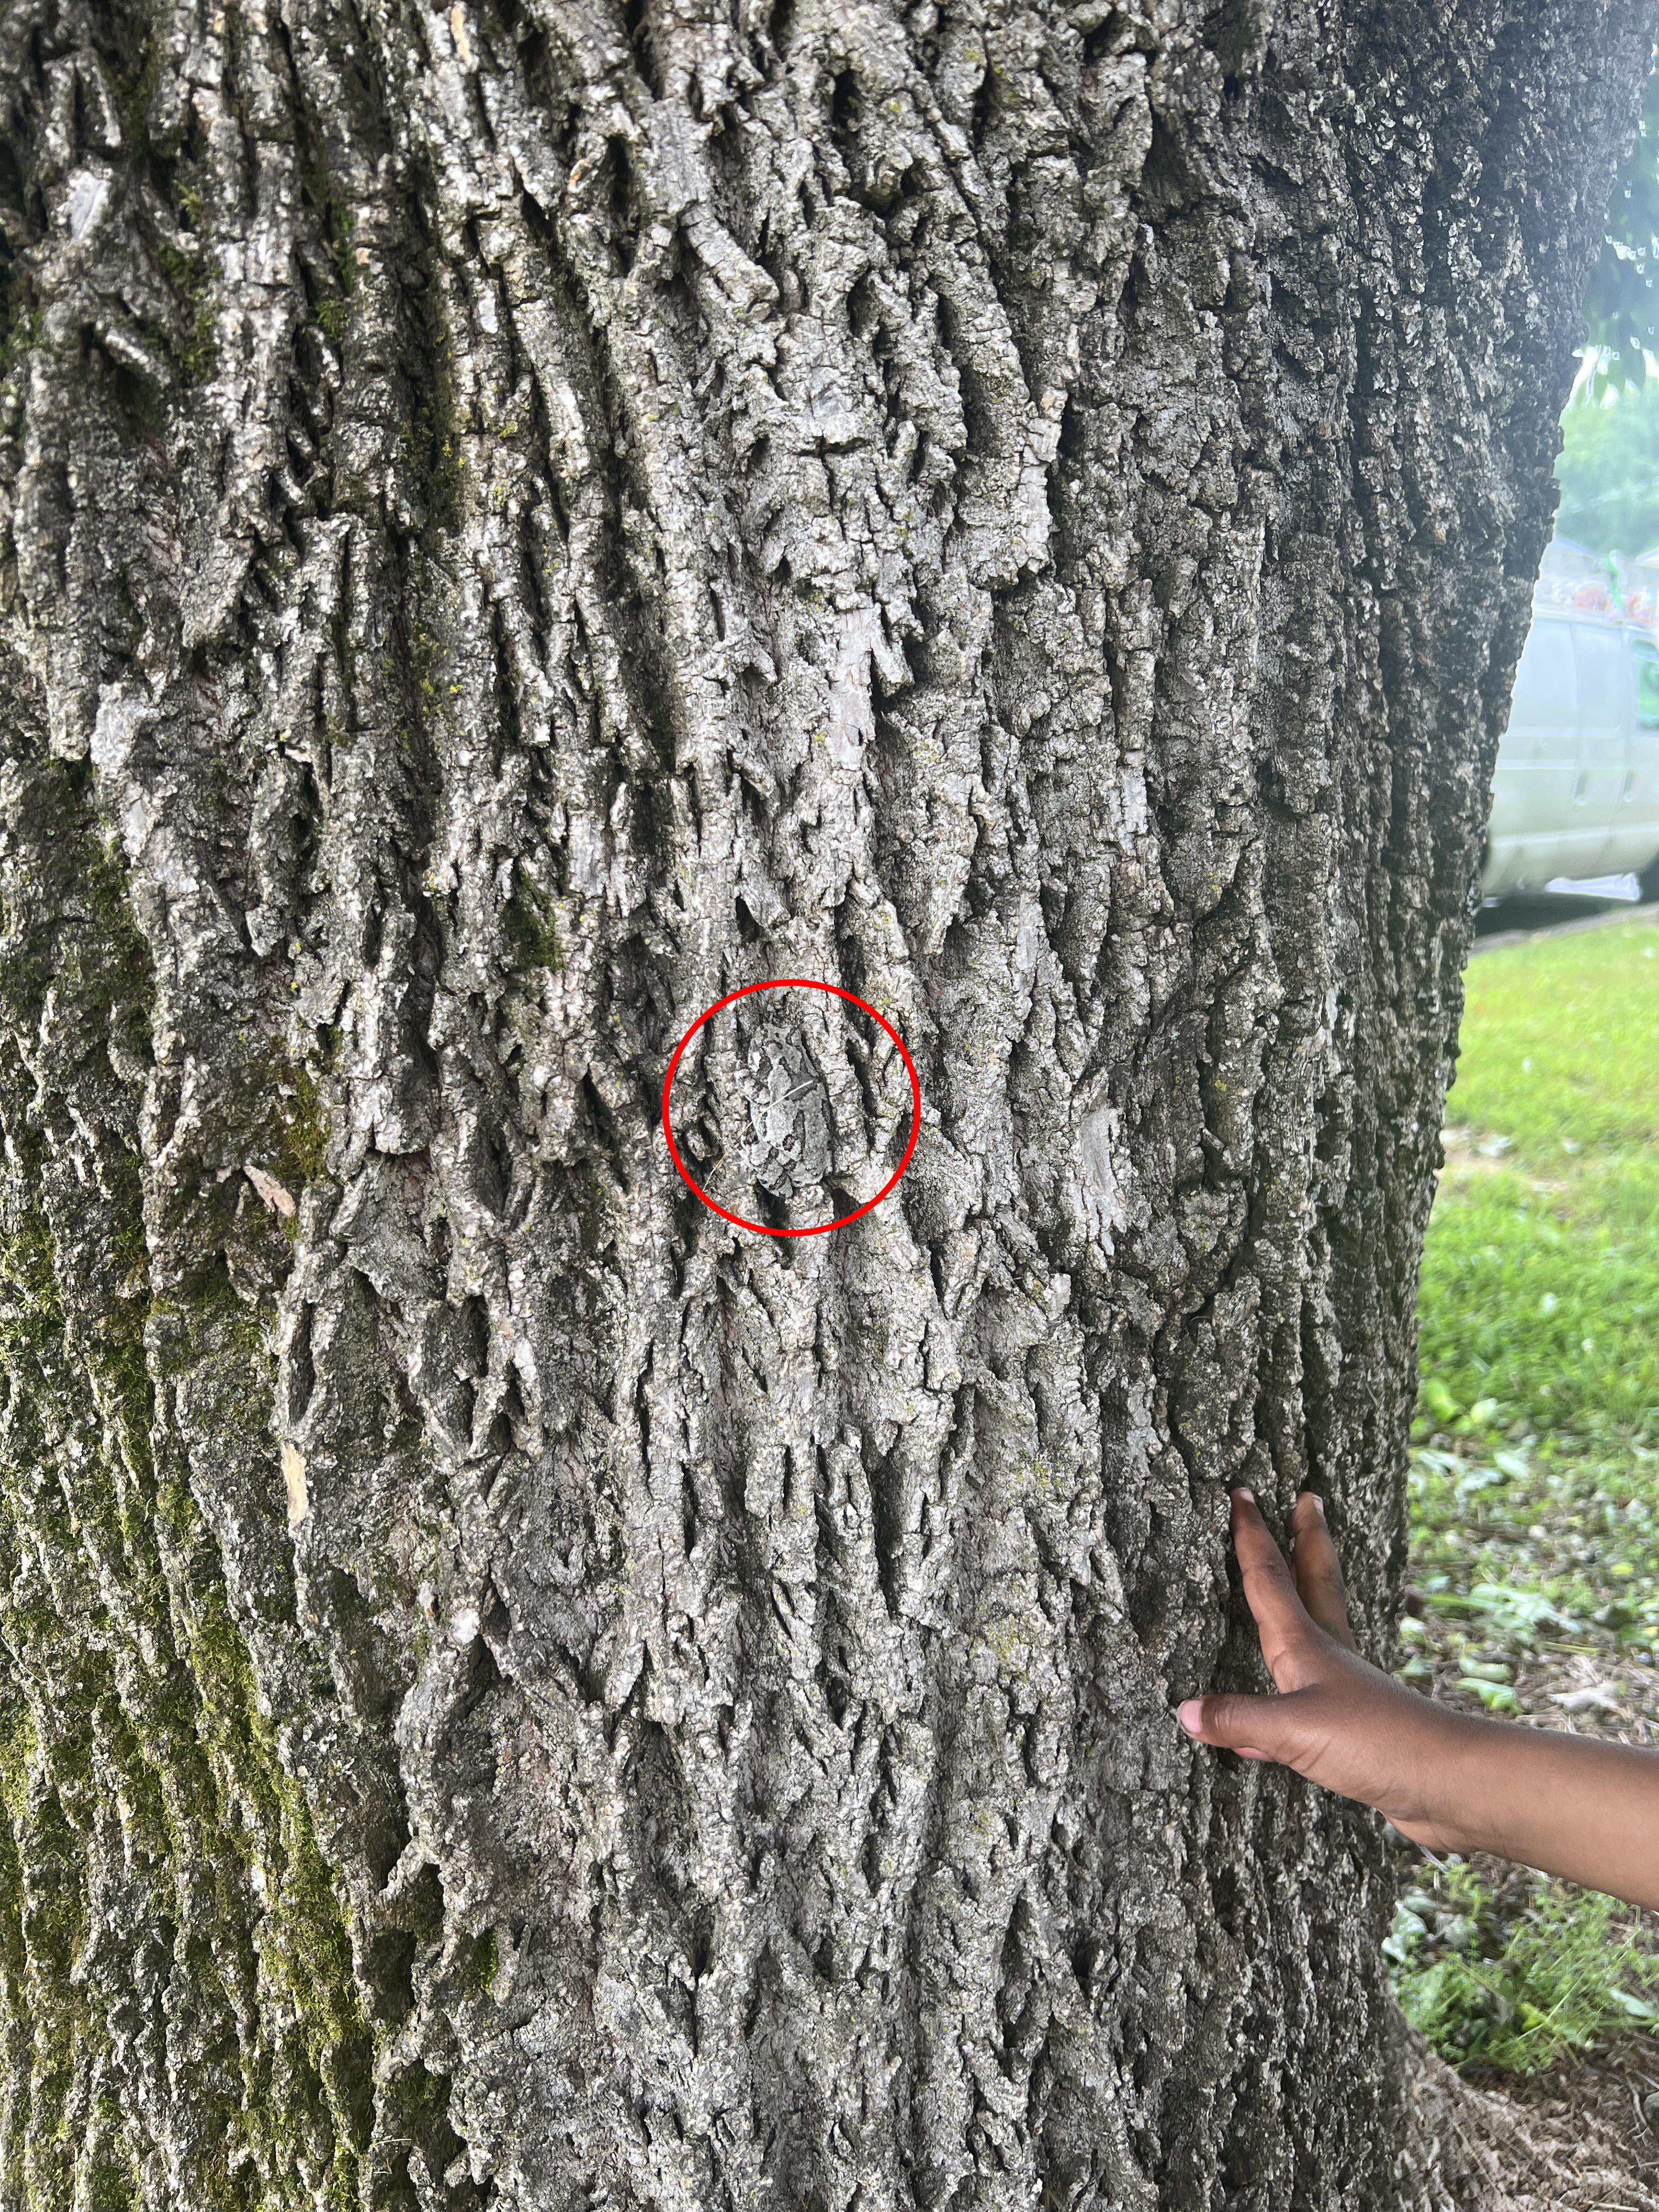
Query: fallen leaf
{"points": [[1599, 1693], [269, 1190]]}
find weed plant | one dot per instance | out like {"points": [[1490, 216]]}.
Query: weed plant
{"points": [[1517, 1994]]}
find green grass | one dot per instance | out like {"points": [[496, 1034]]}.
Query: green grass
{"points": [[1516, 1996], [1541, 1278], [1534, 1485], [1540, 1301], [1560, 1042]]}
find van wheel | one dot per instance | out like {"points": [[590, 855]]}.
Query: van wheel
{"points": [[1647, 882]]}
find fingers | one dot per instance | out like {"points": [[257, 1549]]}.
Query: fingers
{"points": [[1317, 1570], [1249, 1726], [1284, 1599], [1269, 1588]]}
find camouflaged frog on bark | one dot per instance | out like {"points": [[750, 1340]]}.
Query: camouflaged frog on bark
{"points": [[794, 1145]]}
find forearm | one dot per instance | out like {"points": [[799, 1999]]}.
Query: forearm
{"points": [[1565, 1804]]}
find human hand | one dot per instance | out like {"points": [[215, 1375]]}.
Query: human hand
{"points": [[1337, 1720]]}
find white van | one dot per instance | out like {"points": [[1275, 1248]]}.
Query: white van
{"points": [[1576, 792]]}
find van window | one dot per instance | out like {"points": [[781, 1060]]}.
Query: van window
{"points": [[1603, 675], [1544, 682], [1646, 658]]}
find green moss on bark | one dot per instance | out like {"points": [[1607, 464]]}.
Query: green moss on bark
{"points": [[131, 1718]]}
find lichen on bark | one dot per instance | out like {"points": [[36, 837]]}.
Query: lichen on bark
{"points": [[513, 526]]}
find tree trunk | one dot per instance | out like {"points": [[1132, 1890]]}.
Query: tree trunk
{"points": [[516, 1690]]}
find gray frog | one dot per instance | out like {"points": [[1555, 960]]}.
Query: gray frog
{"points": [[789, 1108]]}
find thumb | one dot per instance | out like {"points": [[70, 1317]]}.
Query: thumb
{"points": [[1255, 1727]]}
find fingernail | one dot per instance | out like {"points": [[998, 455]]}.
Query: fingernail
{"points": [[1191, 1715], [1242, 1492]]}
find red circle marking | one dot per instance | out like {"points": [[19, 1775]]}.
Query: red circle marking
{"points": [[792, 983]]}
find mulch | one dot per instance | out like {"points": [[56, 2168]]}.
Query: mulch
{"points": [[1582, 2136]]}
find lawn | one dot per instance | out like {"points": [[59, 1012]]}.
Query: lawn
{"points": [[1535, 1482], [1539, 1300]]}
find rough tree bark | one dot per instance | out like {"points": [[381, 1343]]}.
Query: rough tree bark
{"points": [[515, 1691]]}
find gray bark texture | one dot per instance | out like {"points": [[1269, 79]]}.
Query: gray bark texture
{"points": [[514, 1691]]}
